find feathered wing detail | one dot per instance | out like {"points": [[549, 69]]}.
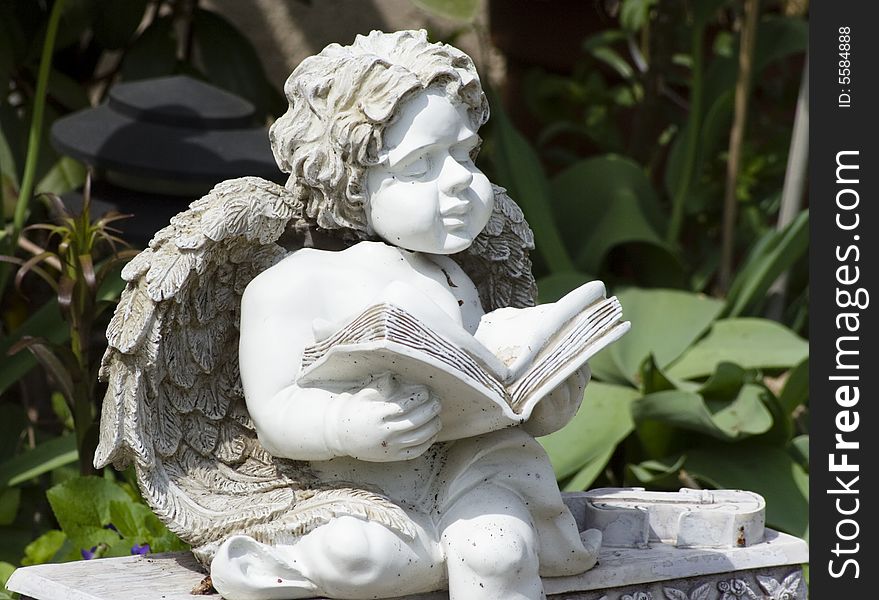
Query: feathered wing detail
{"points": [[174, 405], [498, 262]]}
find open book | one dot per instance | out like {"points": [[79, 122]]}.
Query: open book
{"points": [[477, 395]]}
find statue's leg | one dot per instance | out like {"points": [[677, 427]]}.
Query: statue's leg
{"points": [[491, 547], [346, 558]]}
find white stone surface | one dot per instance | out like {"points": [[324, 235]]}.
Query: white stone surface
{"points": [[354, 487], [171, 577], [633, 517]]}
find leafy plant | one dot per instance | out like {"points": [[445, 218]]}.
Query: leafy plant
{"points": [[99, 518], [76, 281], [698, 400], [57, 57]]}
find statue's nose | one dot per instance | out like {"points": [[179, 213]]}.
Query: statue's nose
{"points": [[454, 176]]}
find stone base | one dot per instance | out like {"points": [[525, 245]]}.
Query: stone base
{"points": [[747, 563], [763, 571]]}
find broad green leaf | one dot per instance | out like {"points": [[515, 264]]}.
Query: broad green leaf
{"points": [[800, 450], [153, 53], [82, 508], [743, 416], [658, 473], [603, 420], [773, 255], [6, 570], [779, 37], [130, 519], [231, 62], [10, 498], [766, 470], [520, 172], [664, 323], [589, 473], [605, 369], [796, 390], [750, 343], [552, 287], [634, 14], [604, 202], [461, 10], [655, 379], [137, 524], [116, 22], [47, 456], [725, 382], [66, 175], [44, 549]]}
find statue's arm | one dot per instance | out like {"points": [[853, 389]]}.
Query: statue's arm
{"points": [[385, 420]]}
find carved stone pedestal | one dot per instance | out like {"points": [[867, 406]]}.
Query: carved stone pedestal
{"points": [[768, 566]]}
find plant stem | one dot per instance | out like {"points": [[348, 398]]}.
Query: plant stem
{"points": [[737, 134], [680, 198], [26, 190]]}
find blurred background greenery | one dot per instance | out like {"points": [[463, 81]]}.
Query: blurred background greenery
{"points": [[651, 143]]}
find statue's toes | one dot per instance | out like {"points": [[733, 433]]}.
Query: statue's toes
{"points": [[591, 539], [244, 569]]}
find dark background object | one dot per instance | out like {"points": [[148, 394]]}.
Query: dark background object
{"points": [[158, 144]]}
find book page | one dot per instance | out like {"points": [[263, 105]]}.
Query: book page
{"points": [[517, 335]]}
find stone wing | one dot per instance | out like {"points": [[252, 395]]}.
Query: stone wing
{"points": [[498, 262]]}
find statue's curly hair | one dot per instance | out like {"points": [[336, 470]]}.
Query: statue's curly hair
{"points": [[340, 102]]}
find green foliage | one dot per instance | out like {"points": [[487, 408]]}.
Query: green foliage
{"points": [[102, 518], [55, 57], [607, 201], [622, 183], [520, 171], [688, 387], [461, 10], [44, 458], [583, 446], [633, 153], [6, 570], [750, 343]]}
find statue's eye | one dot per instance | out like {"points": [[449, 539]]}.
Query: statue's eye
{"points": [[416, 167], [466, 151]]}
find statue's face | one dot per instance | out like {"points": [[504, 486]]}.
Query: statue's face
{"points": [[427, 195]]}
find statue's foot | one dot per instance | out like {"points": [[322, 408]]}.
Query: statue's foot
{"points": [[591, 539], [345, 558], [244, 569]]}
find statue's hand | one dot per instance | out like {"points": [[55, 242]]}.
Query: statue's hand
{"points": [[559, 406], [385, 421]]}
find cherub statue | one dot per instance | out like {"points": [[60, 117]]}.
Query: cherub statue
{"points": [[340, 489]]}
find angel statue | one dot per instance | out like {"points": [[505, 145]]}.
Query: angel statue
{"points": [[264, 377]]}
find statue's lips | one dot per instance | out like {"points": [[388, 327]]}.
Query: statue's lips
{"points": [[455, 222], [457, 215]]}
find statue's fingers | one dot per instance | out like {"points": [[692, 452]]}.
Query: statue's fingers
{"points": [[411, 452], [420, 435], [413, 416], [410, 400]]}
